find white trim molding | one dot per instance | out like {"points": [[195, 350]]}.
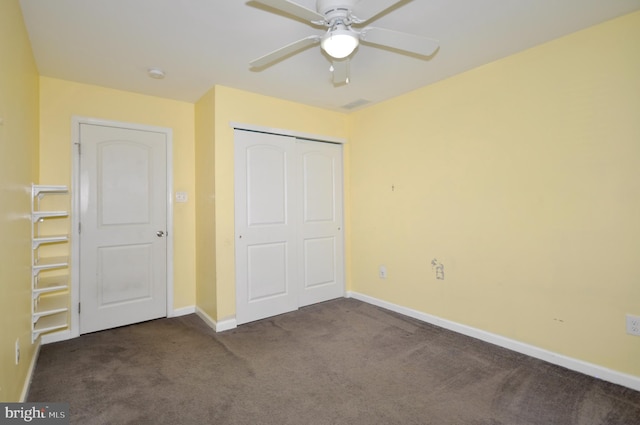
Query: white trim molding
{"points": [[218, 326], [590, 369], [283, 132], [32, 368], [182, 311], [55, 337]]}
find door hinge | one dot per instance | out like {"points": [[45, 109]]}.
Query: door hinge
{"points": [[79, 148], [79, 309], [79, 227]]}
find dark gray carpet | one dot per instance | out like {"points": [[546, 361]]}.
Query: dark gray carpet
{"points": [[340, 362]]}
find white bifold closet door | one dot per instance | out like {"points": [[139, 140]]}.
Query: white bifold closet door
{"points": [[289, 230]]}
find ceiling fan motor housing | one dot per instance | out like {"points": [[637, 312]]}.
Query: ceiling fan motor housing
{"points": [[335, 11]]}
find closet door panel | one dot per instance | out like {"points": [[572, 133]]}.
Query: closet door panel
{"points": [[322, 245], [266, 251]]}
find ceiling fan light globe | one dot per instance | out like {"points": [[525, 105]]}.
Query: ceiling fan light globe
{"points": [[339, 43]]}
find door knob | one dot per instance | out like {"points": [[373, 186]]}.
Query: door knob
{"points": [[160, 233]]}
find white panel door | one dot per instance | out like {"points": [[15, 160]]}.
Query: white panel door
{"points": [[123, 218], [322, 247], [266, 252], [289, 243]]}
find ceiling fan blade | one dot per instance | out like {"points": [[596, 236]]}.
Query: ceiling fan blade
{"points": [[294, 9], [340, 71], [365, 10], [285, 51], [411, 43]]}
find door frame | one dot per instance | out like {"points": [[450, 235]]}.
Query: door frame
{"points": [[76, 121]]}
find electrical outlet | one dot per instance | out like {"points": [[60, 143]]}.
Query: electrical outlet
{"points": [[17, 351], [633, 325], [382, 272]]}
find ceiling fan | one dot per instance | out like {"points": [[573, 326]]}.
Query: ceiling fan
{"points": [[341, 38]]}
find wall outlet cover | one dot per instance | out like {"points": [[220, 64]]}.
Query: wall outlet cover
{"points": [[633, 325]]}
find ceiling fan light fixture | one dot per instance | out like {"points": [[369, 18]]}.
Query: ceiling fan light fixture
{"points": [[339, 43]]}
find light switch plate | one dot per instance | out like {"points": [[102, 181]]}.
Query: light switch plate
{"points": [[182, 197]]}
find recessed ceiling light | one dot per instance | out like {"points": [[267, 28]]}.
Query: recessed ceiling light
{"points": [[156, 73]]}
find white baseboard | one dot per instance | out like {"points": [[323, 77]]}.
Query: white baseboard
{"points": [[55, 337], [626, 380], [218, 326], [29, 377], [207, 319], [226, 325], [183, 311], [66, 334]]}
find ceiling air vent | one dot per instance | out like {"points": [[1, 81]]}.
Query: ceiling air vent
{"points": [[355, 104]]}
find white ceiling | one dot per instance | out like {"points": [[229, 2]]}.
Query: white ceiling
{"points": [[202, 43]]}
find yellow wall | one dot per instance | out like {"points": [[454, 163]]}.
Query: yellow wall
{"points": [[205, 205], [60, 100], [233, 105], [522, 178], [18, 169]]}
